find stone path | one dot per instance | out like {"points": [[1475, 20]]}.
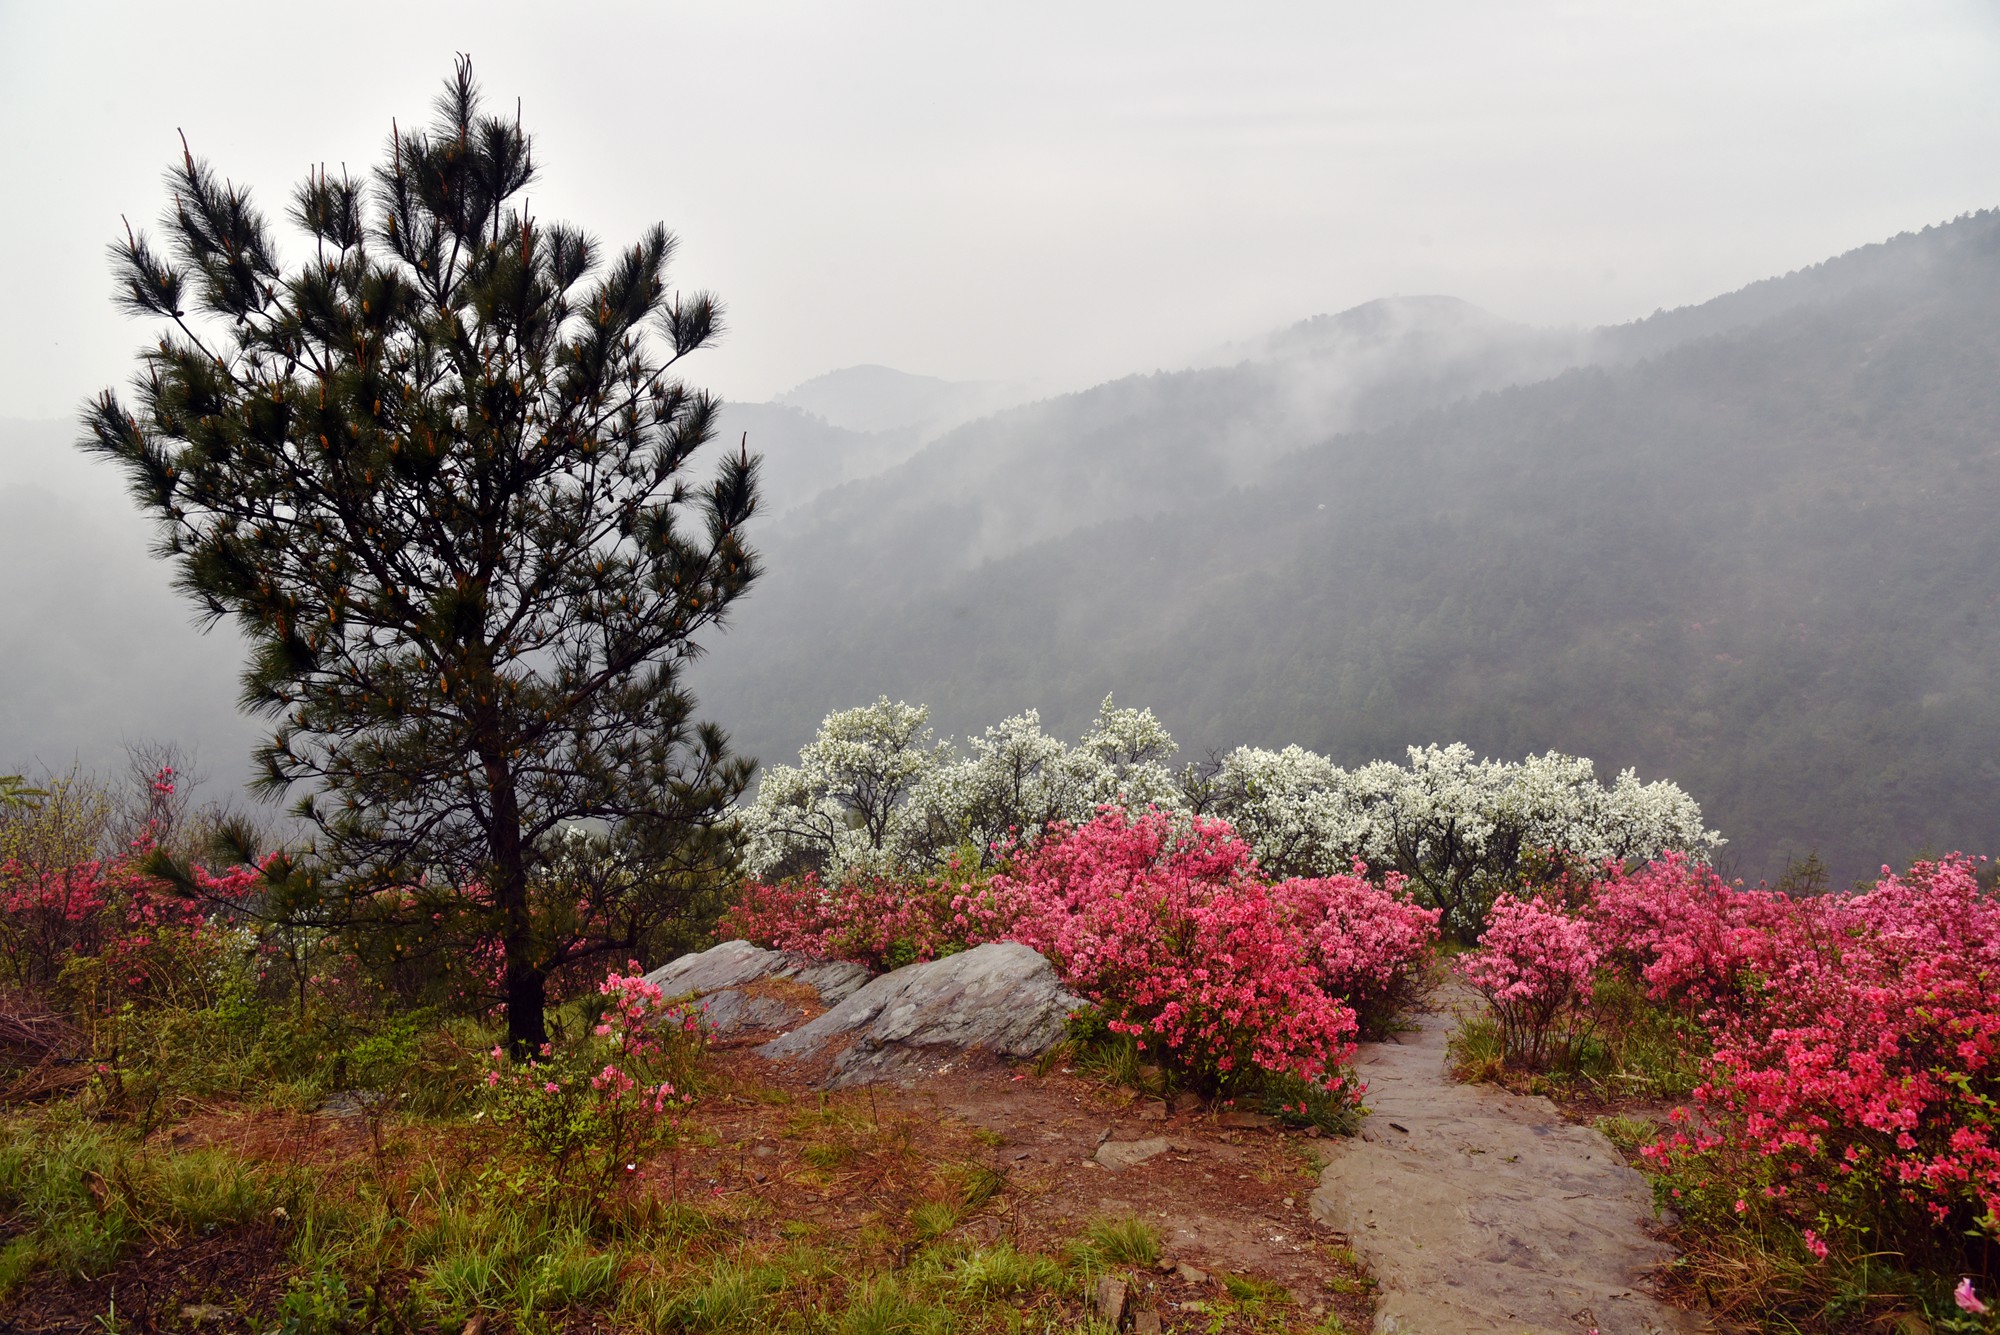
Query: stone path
{"points": [[1484, 1213]]}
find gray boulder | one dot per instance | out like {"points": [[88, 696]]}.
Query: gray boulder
{"points": [[1002, 999], [747, 989]]}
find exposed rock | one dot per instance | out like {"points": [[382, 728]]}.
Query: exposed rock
{"points": [[344, 1103], [1126, 1153], [1191, 1274], [1484, 1212], [1110, 1300], [1003, 999], [747, 989], [1146, 1322]]}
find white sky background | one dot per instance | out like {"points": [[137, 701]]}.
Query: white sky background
{"points": [[1050, 192]]}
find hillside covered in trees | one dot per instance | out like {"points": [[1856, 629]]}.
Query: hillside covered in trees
{"points": [[1745, 545]]}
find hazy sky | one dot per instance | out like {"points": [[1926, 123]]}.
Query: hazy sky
{"points": [[1061, 192]]}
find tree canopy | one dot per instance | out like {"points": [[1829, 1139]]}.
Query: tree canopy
{"points": [[437, 469]]}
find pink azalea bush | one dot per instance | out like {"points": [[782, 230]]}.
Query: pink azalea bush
{"points": [[1850, 1090], [1172, 934], [1370, 945], [1534, 966], [1688, 937], [591, 1111], [1168, 927], [1853, 1089], [879, 921], [117, 932]]}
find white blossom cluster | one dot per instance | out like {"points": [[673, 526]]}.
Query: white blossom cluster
{"points": [[876, 791], [1456, 825]]}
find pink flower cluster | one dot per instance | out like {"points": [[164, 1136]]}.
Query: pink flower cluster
{"points": [[1692, 939], [1860, 1064], [1534, 966], [873, 920], [1852, 1086], [106, 907], [1369, 943], [1172, 933], [1168, 927], [596, 1105], [635, 1021]]}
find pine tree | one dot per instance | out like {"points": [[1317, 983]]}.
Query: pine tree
{"points": [[437, 471]]}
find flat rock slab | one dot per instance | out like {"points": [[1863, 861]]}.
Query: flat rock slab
{"points": [[1002, 999], [747, 989], [1482, 1212], [1125, 1153]]}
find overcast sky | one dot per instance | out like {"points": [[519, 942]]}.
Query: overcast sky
{"points": [[1055, 192]]}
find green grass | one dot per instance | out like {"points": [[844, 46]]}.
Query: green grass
{"points": [[82, 1196], [1126, 1241]]}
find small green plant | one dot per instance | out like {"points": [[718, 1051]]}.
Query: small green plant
{"points": [[1001, 1271], [1627, 1133], [931, 1220], [729, 1298], [1126, 1241], [1300, 1103], [977, 1184]]}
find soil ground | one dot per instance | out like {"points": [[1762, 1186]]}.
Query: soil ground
{"points": [[776, 1161]]}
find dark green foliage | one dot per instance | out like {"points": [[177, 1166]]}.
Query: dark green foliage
{"points": [[437, 471]]}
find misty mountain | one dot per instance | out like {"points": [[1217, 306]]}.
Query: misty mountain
{"points": [[882, 399], [99, 649], [1745, 546], [853, 423]]}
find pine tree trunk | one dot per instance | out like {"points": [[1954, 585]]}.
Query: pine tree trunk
{"points": [[524, 985]]}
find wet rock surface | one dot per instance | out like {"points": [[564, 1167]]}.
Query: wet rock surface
{"points": [[1003, 1000], [746, 989], [1482, 1212]]}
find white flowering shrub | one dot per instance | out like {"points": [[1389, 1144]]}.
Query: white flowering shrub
{"points": [[844, 805], [1457, 826], [874, 791]]}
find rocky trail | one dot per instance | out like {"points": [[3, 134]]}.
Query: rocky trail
{"points": [[1482, 1212], [1475, 1211]]}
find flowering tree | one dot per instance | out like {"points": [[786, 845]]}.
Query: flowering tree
{"points": [[1456, 826], [876, 792]]}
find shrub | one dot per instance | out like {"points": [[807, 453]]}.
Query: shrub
{"points": [[1691, 939], [1534, 967], [1166, 924], [1852, 1090], [879, 921], [1169, 930], [590, 1111], [1371, 946]]}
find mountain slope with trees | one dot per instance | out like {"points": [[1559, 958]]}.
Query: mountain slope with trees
{"points": [[1748, 549]]}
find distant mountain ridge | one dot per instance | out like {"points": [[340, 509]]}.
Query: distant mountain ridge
{"points": [[1743, 545], [1739, 545]]}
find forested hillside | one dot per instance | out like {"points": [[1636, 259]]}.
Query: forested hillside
{"points": [[1746, 546]]}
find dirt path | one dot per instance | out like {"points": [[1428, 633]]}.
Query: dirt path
{"points": [[1484, 1213]]}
